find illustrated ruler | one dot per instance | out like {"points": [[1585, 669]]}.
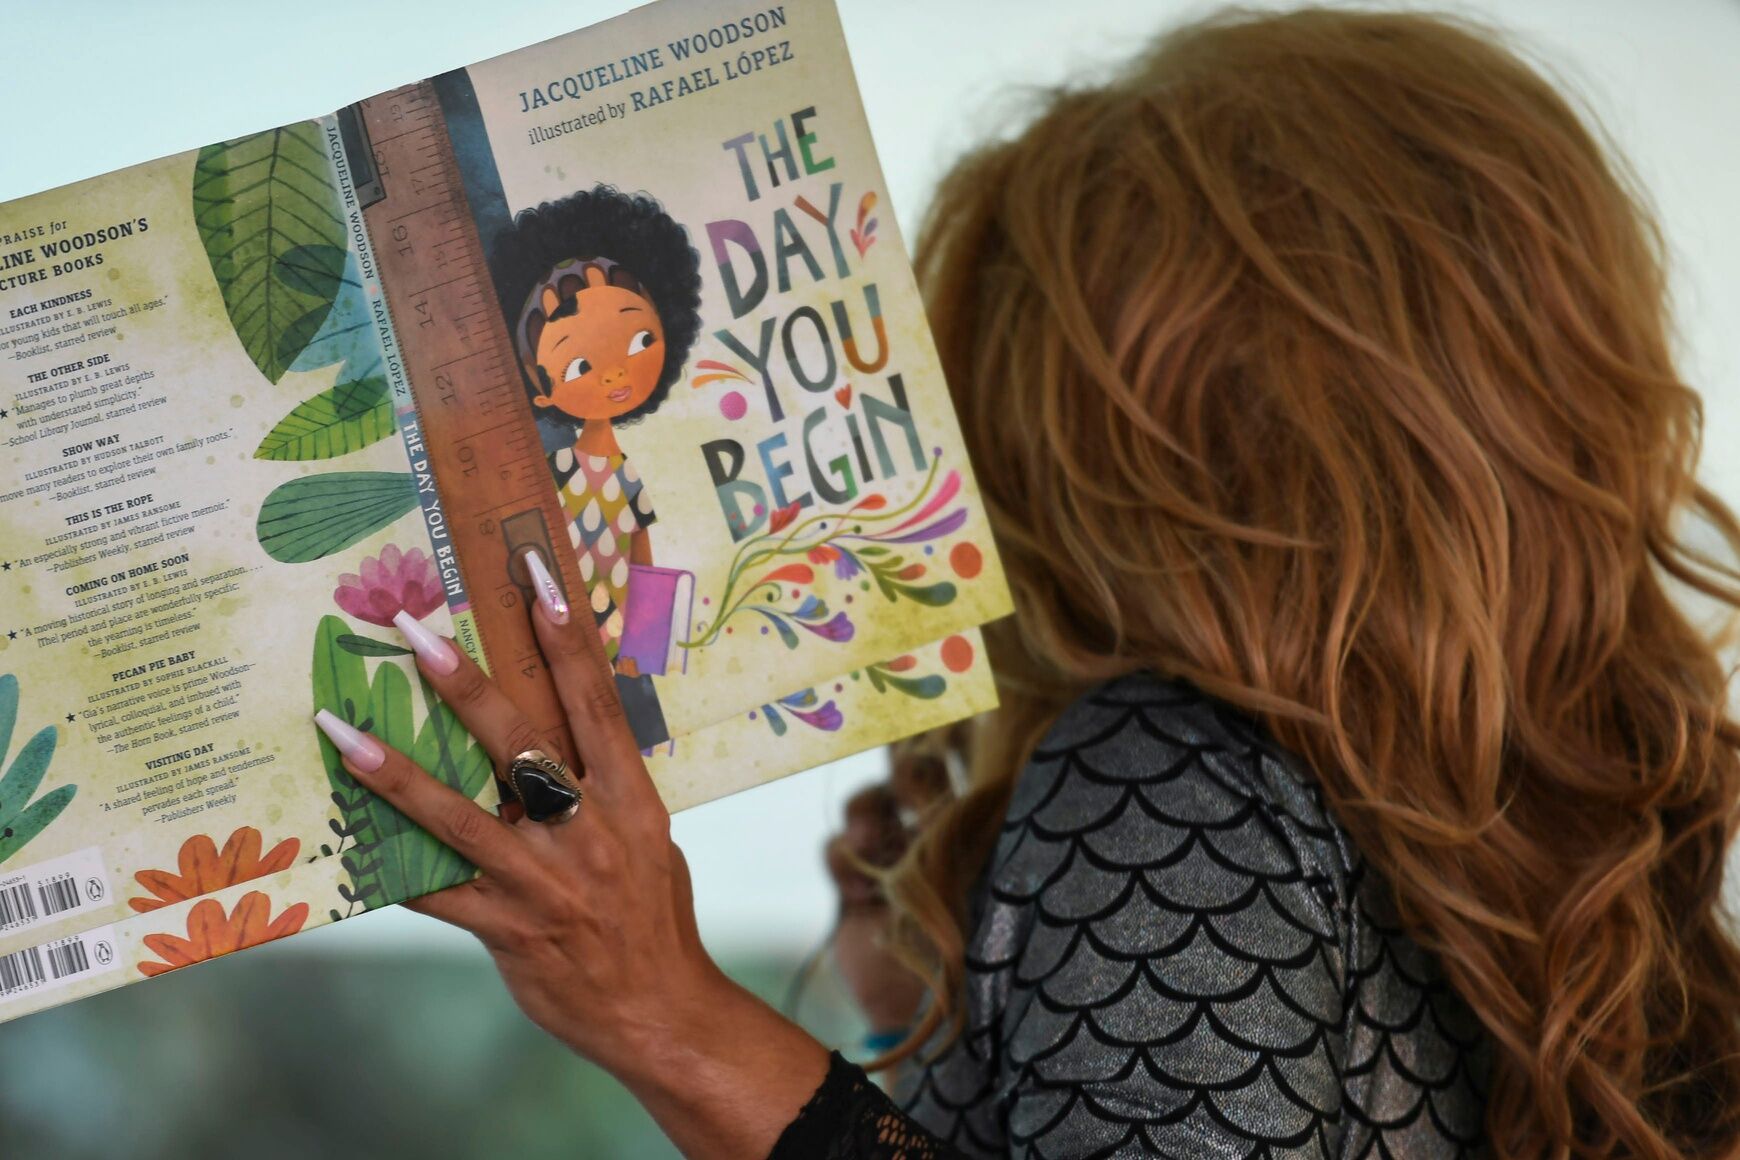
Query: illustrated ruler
{"points": [[483, 445]]}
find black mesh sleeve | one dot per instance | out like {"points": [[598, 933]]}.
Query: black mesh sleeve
{"points": [[850, 1118]]}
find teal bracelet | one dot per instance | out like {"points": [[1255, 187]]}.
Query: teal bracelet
{"points": [[880, 1041]]}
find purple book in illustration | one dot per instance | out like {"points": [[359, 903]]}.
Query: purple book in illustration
{"points": [[655, 610]]}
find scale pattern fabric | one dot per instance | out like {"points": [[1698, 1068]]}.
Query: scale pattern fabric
{"points": [[1176, 951], [606, 505]]}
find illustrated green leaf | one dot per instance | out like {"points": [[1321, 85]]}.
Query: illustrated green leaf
{"points": [[8, 712], [316, 515], [934, 595], [411, 861], [354, 399], [316, 270], [390, 720], [350, 336], [449, 753], [31, 822], [340, 683], [368, 646], [339, 678], [337, 421], [927, 687], [296, 337], [268, 213], [27, 772], [390, 708], [392, 858]]}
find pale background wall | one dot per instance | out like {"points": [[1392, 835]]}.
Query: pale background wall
{"points": [[91, 86]]}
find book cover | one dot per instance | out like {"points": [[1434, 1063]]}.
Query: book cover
{"points": [[631, 298]]}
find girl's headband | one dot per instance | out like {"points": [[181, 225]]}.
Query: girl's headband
{"points": [[565, 279]]}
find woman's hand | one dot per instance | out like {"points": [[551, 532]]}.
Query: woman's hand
{"points": [[878, 829], [591, 921]]}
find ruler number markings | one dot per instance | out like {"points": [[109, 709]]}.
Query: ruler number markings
{"points": [[478, 425]]}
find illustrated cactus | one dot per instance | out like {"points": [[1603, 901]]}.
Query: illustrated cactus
{"points": [[20, 818]]}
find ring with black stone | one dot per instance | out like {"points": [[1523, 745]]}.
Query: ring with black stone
{"points": [[543, 786]]}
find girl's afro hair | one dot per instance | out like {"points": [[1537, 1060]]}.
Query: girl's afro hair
{"points": [[631, 230]]}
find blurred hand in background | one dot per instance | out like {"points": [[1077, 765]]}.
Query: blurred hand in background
{"points": [[880, 824]]}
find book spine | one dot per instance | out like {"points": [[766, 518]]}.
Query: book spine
{"points": [[404, 401]]}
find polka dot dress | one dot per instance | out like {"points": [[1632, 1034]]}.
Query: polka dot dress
{"points": [[606, 504]]}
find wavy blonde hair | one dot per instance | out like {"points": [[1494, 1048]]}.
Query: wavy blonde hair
{"points": [[1322, 360]]}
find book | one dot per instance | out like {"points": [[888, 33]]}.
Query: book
{"points": [[631, 299]]}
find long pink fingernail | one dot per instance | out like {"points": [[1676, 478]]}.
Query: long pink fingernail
{"points": [[363, 751], [436, 653], [549, 596]]}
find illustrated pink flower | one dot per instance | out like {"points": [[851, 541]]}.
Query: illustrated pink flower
{"points": [[384, 584]]}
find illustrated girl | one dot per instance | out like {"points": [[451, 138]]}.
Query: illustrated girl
{"points": [[603, 291]]}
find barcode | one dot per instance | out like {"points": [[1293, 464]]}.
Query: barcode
{"points": [[16, 905], [24, 969], [58, 895], [21, 969], [69, 959], [50, 890]]}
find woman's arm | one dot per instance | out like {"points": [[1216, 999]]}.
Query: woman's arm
{"points": [[591, 922], [1161, 963]]}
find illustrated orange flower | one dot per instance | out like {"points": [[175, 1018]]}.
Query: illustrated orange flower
{"points": [[204, 869], [210, 932]]}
